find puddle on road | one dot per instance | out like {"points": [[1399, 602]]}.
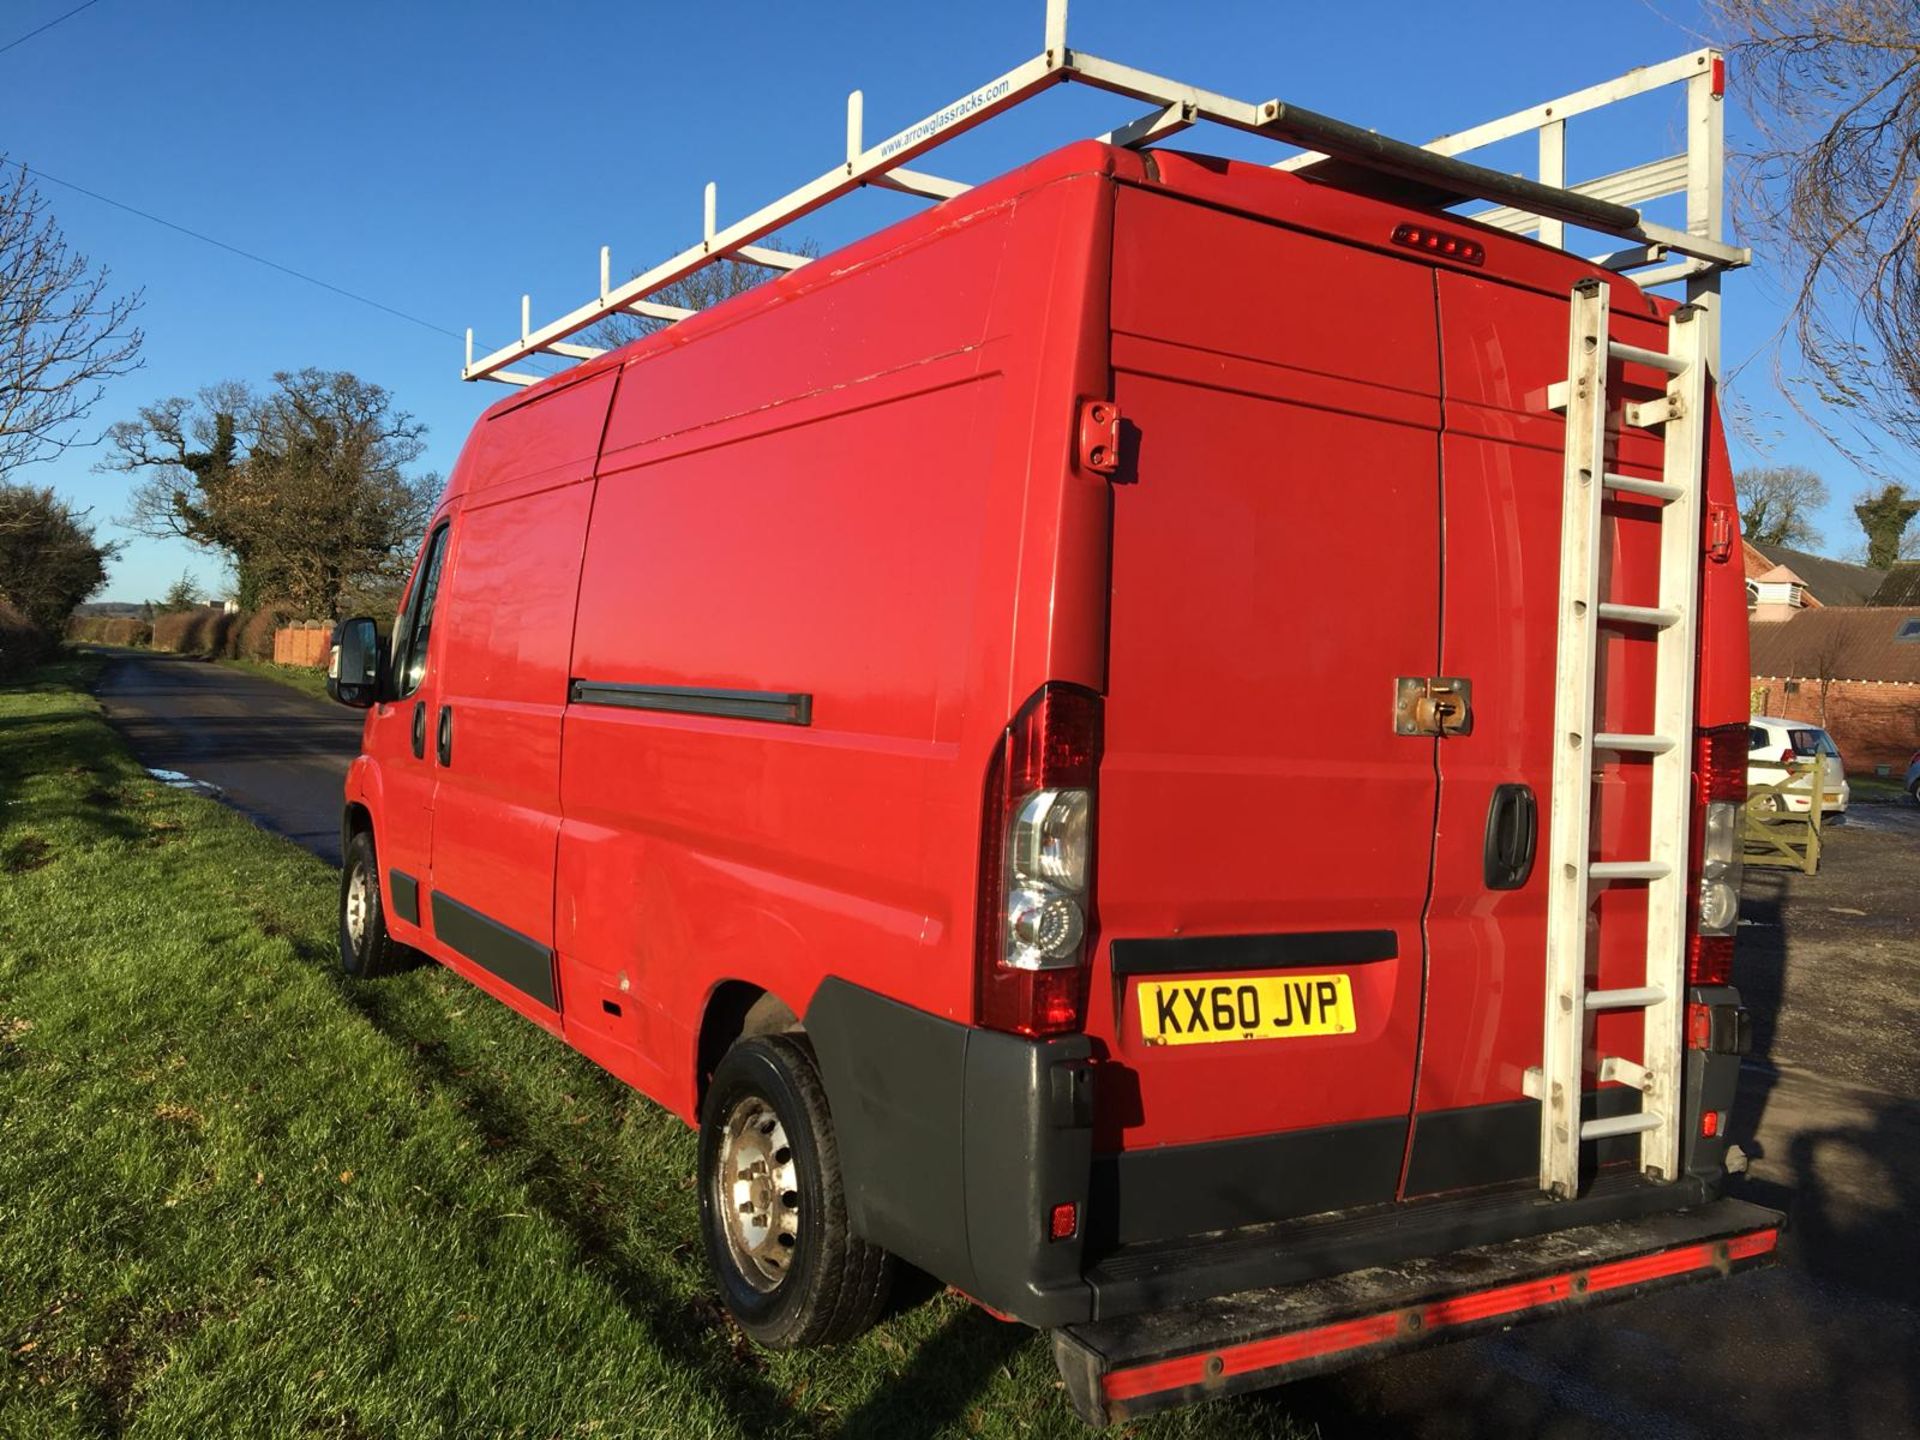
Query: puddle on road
{"points": [[181, 781]]}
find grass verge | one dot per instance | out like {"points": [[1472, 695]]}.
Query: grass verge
{"points": [[303, 678], [240, 1195], [1877, 789]]}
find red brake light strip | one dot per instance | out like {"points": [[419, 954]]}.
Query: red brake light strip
{"points": [[1442, 243]]}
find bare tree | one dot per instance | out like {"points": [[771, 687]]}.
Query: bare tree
{"points": [[705, 288], [304, 489], [1830, 190], [1777, 503], [62, 330], [1825, 664]]}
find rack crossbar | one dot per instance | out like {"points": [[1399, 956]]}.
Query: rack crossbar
{"points": [[1434, 172]]}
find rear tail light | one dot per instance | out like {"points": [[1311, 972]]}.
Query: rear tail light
{"points": [[1720, 771], [1035, 926]]}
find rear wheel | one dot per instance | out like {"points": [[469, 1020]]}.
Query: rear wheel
{"points": [[772, 1204], [367, 951]]}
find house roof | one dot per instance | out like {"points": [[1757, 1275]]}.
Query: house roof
{"points": [[1901, 587], [1831, 582], [1841, 643]]}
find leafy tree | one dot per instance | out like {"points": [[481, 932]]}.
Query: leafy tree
{"points": [[1884, 514], [1830, 192], [1777, 503], [304, 489], [62, 332], [50, 559], [705, 288], [183, 594]]}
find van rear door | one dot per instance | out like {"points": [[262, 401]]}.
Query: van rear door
{"points": [[1502, 456], [1264, 832]]}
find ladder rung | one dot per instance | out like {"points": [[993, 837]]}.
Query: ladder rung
{"points": [[1629, 870], [1644, 744], [1639, 615], [1673, 365], [1618, 1125], [1632, 999], [1659, 489]]}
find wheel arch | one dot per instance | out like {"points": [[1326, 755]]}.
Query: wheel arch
{"points": [[736, 1009], [355, 819]]}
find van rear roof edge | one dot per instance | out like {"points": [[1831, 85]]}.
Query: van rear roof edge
{"points": [[1323, 205]]}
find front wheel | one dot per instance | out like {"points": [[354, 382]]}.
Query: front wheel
{"points": [[367, 951], [772, 1204]]}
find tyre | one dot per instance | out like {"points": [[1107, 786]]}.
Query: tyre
{"points": [[367, 951], [773, 1208]]}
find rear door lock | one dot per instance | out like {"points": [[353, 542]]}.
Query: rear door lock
{"points": [[1432, 705]]}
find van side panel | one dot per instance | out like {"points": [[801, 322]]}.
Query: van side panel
{"points": [[507, 619], [1726, 677], [820, 512]]}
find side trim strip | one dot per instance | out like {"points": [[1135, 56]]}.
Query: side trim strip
{"points": [[781, 707], [406, 895], [1190, 955], [523, 963]]}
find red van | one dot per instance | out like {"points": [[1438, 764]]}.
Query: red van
{"points": [[1036, 732]]}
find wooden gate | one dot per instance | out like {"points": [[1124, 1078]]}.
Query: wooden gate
{"points": [[1779, 837]]}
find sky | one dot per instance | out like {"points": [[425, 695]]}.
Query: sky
{"points": [[439, 160]]}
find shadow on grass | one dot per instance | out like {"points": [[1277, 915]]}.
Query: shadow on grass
{"points": [[944, 1377], [682, 1333], [91, 809]]}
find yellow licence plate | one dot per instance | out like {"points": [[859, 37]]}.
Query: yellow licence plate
{"points": [[1257, 1007]]}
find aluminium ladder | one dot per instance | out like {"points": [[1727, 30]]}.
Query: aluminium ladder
{"points": [[1671, 625]]}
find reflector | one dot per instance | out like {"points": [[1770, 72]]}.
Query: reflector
{"points": [[1065, 1221]]}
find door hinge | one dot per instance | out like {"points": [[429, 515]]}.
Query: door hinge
{"points": [[1720, 529], [1099, 443], [1432, 705]]}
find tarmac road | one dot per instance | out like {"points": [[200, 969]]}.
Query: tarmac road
{"points": [[1826, 1344], [272, 753]]}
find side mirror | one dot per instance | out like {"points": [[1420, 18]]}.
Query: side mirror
{"points": [[357, 667]]}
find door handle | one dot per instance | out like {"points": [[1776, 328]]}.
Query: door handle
{"points": [[1513, 831], [444, 741], [419, 729]]}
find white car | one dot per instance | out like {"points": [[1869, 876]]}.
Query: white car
{"points": [[1772, 742]]}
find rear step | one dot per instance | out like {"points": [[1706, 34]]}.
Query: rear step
{"points": [[1137, 1364]]}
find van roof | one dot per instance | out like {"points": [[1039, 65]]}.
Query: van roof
{"points": [[1346, 215]]}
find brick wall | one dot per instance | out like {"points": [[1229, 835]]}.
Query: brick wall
{"points": [[303, 645], [1874, 722]]}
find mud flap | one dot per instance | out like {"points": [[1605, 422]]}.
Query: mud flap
{"points": [[1134, 1365]]}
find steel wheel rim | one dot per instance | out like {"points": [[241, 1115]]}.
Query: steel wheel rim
{"points": [[357, 905], [756, 1193]]}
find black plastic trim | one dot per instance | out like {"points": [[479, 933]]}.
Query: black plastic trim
{"points": [[780, 707], [522, 962], [1176, 1190], [956, 1143], [1194, 954], [406, 895], [1495, 1144]]}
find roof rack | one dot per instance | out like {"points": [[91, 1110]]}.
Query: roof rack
{"points": [[1433, 175]]}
